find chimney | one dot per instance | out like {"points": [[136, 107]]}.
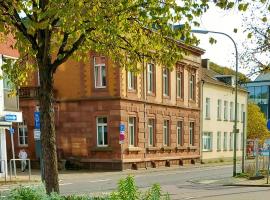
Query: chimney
{"points": [[206, 63]]}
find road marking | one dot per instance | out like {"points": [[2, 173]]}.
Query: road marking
{"points": [[102, 180], [62, 184]]}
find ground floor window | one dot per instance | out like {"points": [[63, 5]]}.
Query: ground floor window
{"points": [[151, 132], [180, 135], [102, 132], [23, 134], [131, 130], [191, 133], [166, 133], [218, 141], [207, 141]]}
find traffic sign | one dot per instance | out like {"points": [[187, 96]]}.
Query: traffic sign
{"points": [[268, 124], [11, 130], [37, 120], [122, 127], [10, 118], [36, 134]]}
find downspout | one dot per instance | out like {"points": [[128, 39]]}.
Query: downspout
{"points": [[201, 120]]}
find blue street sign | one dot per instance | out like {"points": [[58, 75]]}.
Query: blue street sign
{"points": [[10, 118], [268, 124], [11, 130], [122, 127], [37, 120]]}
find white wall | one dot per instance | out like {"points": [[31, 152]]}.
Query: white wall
{"points": [[213, 125]]}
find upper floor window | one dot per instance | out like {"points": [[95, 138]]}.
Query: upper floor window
{"points": [[23, 134], [207, 108], [231, 111], [102, 132], [179, 82], [219, 108], [100, 72], [165, 82], [131, 130], [225, 110], [180, 133], [191, 133], [192, 87], [150, 78], [166, 133], [131, 80]]}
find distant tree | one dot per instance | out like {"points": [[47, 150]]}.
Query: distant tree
{"points": [[256, 123], [227, 71]]}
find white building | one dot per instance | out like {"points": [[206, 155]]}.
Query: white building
{"points": [[9, 109], [218, 103]]}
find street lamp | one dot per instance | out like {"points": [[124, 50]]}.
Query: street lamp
{"points": [[235, 130]]}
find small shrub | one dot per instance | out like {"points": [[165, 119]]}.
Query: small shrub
{"points": [[28, 193]]}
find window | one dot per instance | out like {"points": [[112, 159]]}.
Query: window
{"points": [[219, 109], [165, 82], [231, 141], [225, 139], [166, 133], [179, 80], [226, 110], [151, 132], [242, 113], [180, 135], [191, 133], [238, 112], [131, 80], [102, 131], [207, 141], [207, 108], [100, 72], [150, 78], [131, 131], [231, 111], [218, 141], [192, 87], [23, 134]]}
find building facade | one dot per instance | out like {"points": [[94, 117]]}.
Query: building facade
{"points": [[218, 101], [158, 108], [9, 105], [259, 91]]}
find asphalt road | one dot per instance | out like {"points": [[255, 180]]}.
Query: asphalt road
{"points": [[181, 183]]}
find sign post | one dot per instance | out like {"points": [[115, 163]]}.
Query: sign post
{"points": [[11, 131], [121, 142]]}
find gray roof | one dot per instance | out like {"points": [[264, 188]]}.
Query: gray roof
{"points": [[265, 76]]}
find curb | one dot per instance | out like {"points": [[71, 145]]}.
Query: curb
{"points": [[246, 185]]}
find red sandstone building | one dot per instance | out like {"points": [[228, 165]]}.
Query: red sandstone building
{"points": [[159, 108]]}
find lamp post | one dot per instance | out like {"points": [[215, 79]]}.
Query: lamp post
{"points": [[235, 130]]}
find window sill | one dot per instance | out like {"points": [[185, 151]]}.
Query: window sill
{"points": [[23, 145], [134, 149], [132, 90], [166, 148], [207, 150], [151, 94], [219, 120], [102, 149], [152, 148], [207, 118], [181, 148], [179, 98], [219, 150], [166, 96], [225, 120], [192, 148]]}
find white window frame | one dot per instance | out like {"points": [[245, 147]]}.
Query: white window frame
{"points": [[207, 107], [151, 132], [207, 140], [131, 80], [219, 108], [225, 110], [24, 128], [179, 132], [179, 79], [219, 141], [99, 68], [191, 133], [102, 125], [166, 133], [132, 131], [225, 141], [165, 81], [150, 78]]}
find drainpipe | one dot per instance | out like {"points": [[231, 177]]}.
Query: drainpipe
{"points": [[144, 105], [201, 121]]}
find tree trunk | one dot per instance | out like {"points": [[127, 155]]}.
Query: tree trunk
{"points": [[48, 136]]}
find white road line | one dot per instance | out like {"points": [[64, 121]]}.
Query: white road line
{"points": [[62, 184], [102, 180]]}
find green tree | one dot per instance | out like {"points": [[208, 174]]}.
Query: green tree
{"points": [[256, 123], [48, 32]]}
